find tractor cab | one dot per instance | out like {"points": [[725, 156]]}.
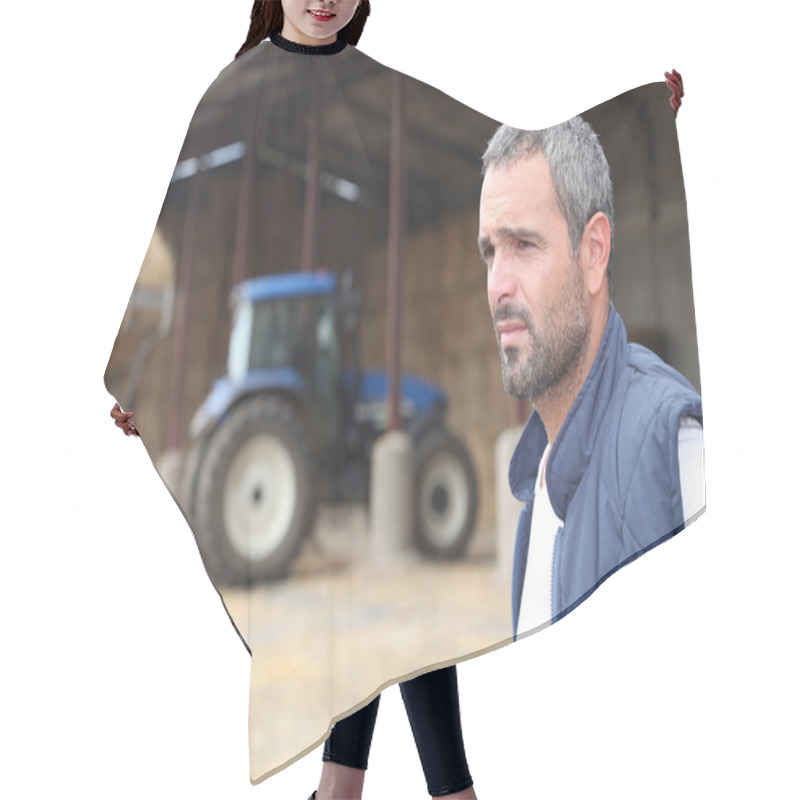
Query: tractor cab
{"points": [[293, 330], [280, 321]]}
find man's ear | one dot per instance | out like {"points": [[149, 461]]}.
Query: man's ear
{"points": [[595, 252]]}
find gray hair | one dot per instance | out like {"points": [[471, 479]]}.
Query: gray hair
{"points": [[578, 165]]}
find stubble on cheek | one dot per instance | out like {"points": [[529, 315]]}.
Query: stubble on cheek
{"points": [[515, 361], [550, 352]]}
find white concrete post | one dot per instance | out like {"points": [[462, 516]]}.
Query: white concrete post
{"points": [[391, 508], [507, 507]]}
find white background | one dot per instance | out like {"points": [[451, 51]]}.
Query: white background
{"points": [[120, 675]]}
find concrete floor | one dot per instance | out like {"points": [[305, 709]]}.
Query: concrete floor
{"points": [[340, 628]]}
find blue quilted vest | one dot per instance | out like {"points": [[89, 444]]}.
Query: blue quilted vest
{"points": [[612, 472]]}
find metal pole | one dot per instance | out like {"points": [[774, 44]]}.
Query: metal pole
{"points": [[397, 203], [249, 165], [308, 254], [182, 293]]}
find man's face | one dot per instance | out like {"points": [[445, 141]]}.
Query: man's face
{"points": [[536, 290]]}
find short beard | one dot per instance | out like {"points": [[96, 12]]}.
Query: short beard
{"points": [[556, 345]]}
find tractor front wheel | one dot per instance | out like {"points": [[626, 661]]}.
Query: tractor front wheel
{"points": [[254, 501], [446, 495]]}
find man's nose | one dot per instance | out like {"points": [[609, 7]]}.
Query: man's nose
{"points": [[501, 281]]}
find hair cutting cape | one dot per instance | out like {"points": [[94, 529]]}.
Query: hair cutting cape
{"points": [[349, 559]]}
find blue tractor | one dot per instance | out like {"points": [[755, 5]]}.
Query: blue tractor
{"points": [[291, 427]]}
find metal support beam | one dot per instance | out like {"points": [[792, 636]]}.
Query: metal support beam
{"points": [[397, 209], [183, 291], [249, 167], [308, 254]]}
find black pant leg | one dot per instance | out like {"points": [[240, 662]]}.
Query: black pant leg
{"points": [[351, 738], [433, 711]]}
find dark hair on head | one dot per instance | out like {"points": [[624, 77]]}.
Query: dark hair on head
{"points": [[266, 19]]}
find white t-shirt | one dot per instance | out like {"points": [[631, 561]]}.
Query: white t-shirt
{"points": [[536, 605]]}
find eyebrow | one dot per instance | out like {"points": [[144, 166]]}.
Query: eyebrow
{"points": [[511, 233]]}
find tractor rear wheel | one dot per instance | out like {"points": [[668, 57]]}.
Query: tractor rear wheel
{"points": [[254, 499], [446, 495]]}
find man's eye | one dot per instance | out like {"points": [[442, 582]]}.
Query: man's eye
{"points": [[523, 244], [488, 254]]}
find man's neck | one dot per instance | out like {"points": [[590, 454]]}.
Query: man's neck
{"points": [[554, 405]]}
